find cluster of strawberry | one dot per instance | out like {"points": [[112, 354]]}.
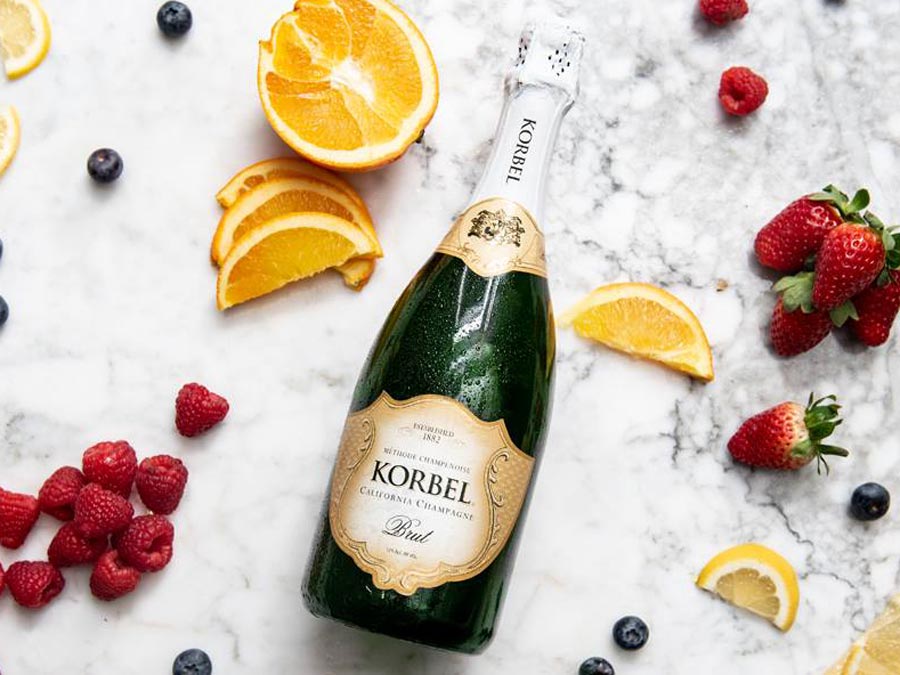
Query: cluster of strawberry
{"points": [[99, 523], [842, 260]]}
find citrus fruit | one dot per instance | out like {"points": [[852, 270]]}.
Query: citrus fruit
{"points": [[348, 84], [280, 167], [644, 321], [9, 135], [877, 651], [285, 249], [24, 36], [757, 579], [288, 195], [357, 272]]}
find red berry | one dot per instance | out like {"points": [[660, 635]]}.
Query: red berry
{"points": [[741, 91], [795, 234], [58, 493], [34, 584], [112, 465], [112, 578], [69, 547], [721, 12], [787, 436], [99, 512], [18, 514], [2, 579], [851, 258], [147, 543], [198, 409], [877, 308], [796, 332], [160, 483]]}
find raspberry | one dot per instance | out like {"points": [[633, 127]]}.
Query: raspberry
{"points": [[741, 91], [18, 514], [721, 12], [99, 512], [57, 495], [2, 582], [112, 465], [147, 543], [70, 548], [34, 584], [198, 409], [112, 578], [160, 482]]}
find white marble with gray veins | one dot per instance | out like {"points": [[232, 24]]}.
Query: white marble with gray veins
{"points": [[112, 310]]}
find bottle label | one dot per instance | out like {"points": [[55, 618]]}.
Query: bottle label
{"points": [[496, 236], [425, 493]]}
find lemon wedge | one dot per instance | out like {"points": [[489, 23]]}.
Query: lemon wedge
{"points": [[24, 36], [9, 135], [757, 579], [877, 651]]}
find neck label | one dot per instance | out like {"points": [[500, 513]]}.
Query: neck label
{"points": [[523, 143], [497, 236]]}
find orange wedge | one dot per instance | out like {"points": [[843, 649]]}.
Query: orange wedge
{"points": [[281, 167], [348, 84], [288, 195], [285, 249], [647, 322]]}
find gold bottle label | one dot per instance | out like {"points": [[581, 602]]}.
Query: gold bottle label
{"points": [[496, 236], [425, 493]]}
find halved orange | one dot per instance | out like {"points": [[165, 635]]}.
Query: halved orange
{"points": [[281, 167], [288, 195], [348, 84], [644, 321], [285, 249]]}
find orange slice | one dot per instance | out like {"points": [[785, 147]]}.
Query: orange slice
{"points": [[285, 249], [348, 84], [288, 195], [24, 36], [647, 322], [9, 135], [281, 167]]}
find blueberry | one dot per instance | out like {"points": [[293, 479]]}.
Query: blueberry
{"points": [[105, 165], [1, 248], [192, 662], [631, 633], [174, 19], [4, 311], [596, 666], [870, 501]]}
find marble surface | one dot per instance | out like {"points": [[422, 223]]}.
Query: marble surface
{"points": [[112, 310]]}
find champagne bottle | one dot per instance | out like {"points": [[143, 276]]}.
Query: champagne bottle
{"points": [[450, 413]]}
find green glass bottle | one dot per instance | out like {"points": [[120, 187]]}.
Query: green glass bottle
{"points": [[449, 416]]}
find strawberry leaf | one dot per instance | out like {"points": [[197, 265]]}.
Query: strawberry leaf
{"points": [[887, 240], [859, 202], [796, 292], [873, 221], [841, 314], [892, 259]]}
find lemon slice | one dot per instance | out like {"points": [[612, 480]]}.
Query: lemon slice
{"points": [[644, 321], [287, 195], [9, 136], [24, 36], [285, 249], [877, 651], [757, 579]]}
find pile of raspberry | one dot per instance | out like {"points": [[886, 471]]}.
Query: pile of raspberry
{"points": [[99, 525]]}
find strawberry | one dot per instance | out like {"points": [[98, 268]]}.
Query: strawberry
{"points": [[99, 512], [34, 584], [851, 258], [58, 493], [197, 409], [160, 483], [147, 543], [69, 547], [18, 514], [112, 578], [788, 436], [788, 240], [877, 307], [112, 465], [795, 331]]}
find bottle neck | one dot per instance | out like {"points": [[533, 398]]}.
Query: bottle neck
{"points": [[526, 136]]}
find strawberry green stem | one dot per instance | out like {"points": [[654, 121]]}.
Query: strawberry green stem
{"points": [[821, 418]]}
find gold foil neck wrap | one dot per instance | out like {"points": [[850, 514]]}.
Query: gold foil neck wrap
{"points": [[448, 539], [497, 236]]}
